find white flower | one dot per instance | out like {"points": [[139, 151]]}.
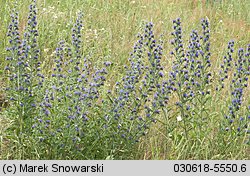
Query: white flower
{"points": [[55, 16], [179, 118]]}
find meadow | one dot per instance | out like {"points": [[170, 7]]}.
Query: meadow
{"points": [[143, 79]]}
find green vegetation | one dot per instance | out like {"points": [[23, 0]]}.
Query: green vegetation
{"points": [[146, 79]]}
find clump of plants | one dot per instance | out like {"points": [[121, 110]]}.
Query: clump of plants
{"points": [[62, 110]]}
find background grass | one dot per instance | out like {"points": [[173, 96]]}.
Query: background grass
{"points": [[110, 29]]}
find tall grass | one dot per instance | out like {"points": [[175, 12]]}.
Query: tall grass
{"points": [[75, 92]]}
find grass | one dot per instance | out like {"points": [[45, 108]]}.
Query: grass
{"points": [[110, 29]]}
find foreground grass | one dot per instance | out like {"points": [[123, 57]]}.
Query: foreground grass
{"points": [[110, 30]]}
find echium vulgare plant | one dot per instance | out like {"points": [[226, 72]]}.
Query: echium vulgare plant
{"points": [[237, 119], [135, 104], [179, 76], [190, 78], [226, 66], [23, 68], [65, 121], [199, 50]]}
